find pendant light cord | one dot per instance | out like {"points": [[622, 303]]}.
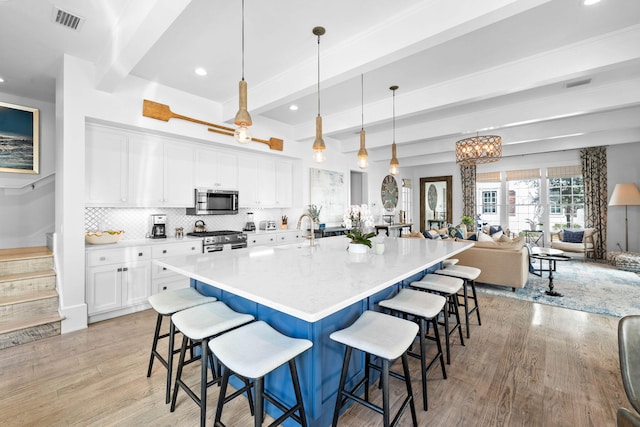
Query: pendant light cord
{"points": [[242, 39], [318, 75], [362, 98], [394, 116]]}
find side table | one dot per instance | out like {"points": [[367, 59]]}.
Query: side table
{"points": [[534, 237]]}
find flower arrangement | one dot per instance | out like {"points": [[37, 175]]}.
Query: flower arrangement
{"points": [[358, 219]]}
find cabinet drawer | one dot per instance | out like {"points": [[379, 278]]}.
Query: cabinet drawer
{"points": [[175, 249], [262, 239], [158, 272], [116, 256]]}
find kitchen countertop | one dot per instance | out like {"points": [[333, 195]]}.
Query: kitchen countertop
{"points": [[311, 283], [141, 242]]}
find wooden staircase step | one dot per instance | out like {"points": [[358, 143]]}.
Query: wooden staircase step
{"points": [[24, 253], [35, 296], [19, 307], [27, 283], [28, 330], [27, 276]]}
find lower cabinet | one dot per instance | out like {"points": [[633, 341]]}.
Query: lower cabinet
{"points": [[120, 281], [117, 289], [270, 238]]}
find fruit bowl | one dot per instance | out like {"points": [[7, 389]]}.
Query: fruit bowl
{"points": [[103, 237]]}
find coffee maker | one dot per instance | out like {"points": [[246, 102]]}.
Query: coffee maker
{"points": [[158, 226]]}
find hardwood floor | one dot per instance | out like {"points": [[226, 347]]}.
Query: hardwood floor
{"points": [[528, 365]]}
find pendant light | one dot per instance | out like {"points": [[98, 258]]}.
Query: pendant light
{"points": [[394, 164], [243, 119], [363, 161], [318, 143]]}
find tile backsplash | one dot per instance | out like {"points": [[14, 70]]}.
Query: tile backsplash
{"points": [[136, 222]]}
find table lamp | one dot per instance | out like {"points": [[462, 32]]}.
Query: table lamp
{"points": [[625, 194]]}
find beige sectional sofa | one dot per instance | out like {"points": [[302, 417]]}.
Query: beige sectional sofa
{"points": [[501, 264]]}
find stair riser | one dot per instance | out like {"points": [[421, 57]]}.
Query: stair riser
{"points": [[27, 286], [26, 310], [26, 265], [26, 335]]}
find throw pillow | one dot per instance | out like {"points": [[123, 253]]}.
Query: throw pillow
{"points": [[569, 236], [473, 237], [505, 238], [493, 230], [482, 237], [431, 234], [456, 232], [497, 235]]}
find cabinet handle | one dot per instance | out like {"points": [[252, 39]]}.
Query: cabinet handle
{"points": [[119, 270], [164, 251], [102, 258], [125, 269], [193, 248], [139, 253], [164, 268], [164, 288]]}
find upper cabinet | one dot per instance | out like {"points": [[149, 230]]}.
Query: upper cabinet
{"points": [[136, 170], [216, 169], [106, 168], [133, 169], [265, 182]]}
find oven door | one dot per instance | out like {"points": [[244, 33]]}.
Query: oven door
{"points": [[212, 248]]}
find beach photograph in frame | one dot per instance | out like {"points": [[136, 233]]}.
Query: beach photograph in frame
{"points": [[19, 138]]}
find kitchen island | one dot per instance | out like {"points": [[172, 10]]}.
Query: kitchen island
{"points": [[310, 292]]}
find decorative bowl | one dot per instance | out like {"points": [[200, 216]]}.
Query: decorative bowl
{"points": [[103, 237]]}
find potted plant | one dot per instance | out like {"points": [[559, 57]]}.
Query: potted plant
{"points": [[468, 221], [359, 220], [314, 211]]}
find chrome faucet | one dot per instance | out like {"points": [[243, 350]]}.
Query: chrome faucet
{"points": [[312, 241]]}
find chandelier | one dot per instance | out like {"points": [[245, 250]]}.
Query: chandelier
{"points": [[479, 149]]}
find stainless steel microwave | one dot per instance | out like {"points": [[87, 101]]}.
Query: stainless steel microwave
{"points": [[214, 202]]}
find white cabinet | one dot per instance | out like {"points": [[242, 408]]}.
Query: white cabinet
{"points": [[270, 238], [160, 172], [106, 166], [163, 279], [216, 169], [118, 281], [131, 169], [265, 182]]}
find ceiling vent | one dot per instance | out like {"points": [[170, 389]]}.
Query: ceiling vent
{"points": [[67, 19], [569, 85]]}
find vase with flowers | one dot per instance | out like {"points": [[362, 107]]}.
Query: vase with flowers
{"points": [[358, 219]]}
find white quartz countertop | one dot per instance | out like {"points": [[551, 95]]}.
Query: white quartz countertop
{"points": [[141, 242], [311, 283]]}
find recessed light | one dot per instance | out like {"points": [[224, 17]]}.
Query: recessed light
{"points": [[1, 80], [590, 2], [200, 71], [293, 107]]}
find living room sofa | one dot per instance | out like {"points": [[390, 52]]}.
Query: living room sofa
{"points": [[501, 264]]}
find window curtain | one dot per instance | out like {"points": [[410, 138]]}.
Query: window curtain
{"points": [[468, 174], [594, 175]]}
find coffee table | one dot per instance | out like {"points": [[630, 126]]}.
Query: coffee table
{"points": [[544, 254]]}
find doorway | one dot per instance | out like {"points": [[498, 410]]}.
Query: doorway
{"points": [[359, 188]]}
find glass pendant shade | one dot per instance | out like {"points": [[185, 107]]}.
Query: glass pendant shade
{"points": [[242, 135], [393, 164], [318, 143], [363, 160]]}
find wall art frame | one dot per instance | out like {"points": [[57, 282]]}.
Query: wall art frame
{"points": [[19, 139]]}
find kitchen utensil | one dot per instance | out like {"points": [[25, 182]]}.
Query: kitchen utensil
{"points": [[199, 226]]}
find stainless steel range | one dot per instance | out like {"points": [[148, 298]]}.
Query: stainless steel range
{"points": [[215, 241]]}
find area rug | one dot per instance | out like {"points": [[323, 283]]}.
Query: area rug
{"points": [[592, 287]]}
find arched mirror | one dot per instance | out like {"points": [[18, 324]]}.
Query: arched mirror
{"points": [[435, 202]]}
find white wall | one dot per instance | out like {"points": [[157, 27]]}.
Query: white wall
{"points": [[27, 200], [623, 166]]}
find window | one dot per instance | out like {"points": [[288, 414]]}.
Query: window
{"points": [[489, 202], [566, 199], [525, 207], [407, 200]]}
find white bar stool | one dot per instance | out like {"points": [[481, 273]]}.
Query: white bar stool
{"points": [[383, 336], [449, 262], [424, 307], [200, 324], [448, 287], [252, 352], [167, 303], [469, 275]]}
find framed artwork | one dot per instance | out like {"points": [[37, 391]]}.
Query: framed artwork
{"points": [[19, 139], [328, 191]]}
